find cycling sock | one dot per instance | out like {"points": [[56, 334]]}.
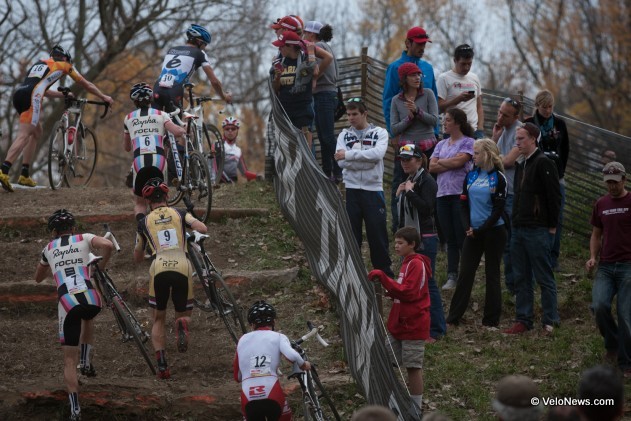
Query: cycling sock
{"points": [[25, 168], [418, 399], [85, 355], [161, 356], [74, 403], [6, 167]]}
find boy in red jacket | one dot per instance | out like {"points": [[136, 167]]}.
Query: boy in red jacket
{"points": [[408, 322]]}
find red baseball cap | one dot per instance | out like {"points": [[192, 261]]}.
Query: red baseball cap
{"points": [[418, 35], [287, 38], [408, 69], [288, 22]]}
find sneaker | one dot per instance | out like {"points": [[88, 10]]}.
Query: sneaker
{"points": [[516, 329], [547, 330], [181, 328], [163, 373], [26, 181], [5, 182], [88, 371], [451, 282], [430, 340]]}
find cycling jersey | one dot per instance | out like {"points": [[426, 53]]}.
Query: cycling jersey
{"points": [[179, 64], [145, 127], [68, 258], [256, 363], [40, 77]]}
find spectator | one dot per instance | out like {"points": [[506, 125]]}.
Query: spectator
{"points": [[415, 42], [325, 99], [483, 197], [513, 401], [597, 383], [360, 152], [611, 241], [555, 144], [462, 89], [291, 23], [408, 322], [451, 160], [607, 157], [535, 218], [373, 413], [234, 162], [292, 74], [504, 135], [416, 198]]}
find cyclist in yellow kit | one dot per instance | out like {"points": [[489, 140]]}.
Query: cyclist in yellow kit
{"points": [[164, 231], [27, 100]]}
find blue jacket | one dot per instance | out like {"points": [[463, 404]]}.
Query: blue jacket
{"points": [[392, 87]]}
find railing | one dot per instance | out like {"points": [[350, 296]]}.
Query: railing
{"points": [[364, 76]]}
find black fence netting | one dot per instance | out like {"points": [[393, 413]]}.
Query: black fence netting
{"points": [[314, 207]]}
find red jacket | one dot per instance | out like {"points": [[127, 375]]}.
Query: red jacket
{"points": [[409, 316]]}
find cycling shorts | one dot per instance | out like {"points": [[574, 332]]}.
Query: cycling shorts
{"points": [[171, 276], [23, 103], [70, 321], [147, 172], [167, 99], [276, 404]]}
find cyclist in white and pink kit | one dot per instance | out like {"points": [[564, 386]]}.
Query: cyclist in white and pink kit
{"points": [[66, 259], [256, 365]]}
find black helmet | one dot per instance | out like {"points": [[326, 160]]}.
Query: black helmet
{"points": [[261, 314], [155, 189], [57, 53], [141, 92], [61, 220]]}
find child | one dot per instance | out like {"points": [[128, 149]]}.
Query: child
{"points": [[408, 322], [256, 363]]}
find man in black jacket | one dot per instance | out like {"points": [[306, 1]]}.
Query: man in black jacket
{"points": [[536, 209]]}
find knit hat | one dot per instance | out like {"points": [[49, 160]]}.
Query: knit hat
{"points": [[408, 69]]}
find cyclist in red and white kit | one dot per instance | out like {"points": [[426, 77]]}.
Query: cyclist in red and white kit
{"points": [[27, 100], [234, 162], [66, 259], [179, 65], [256, 365]]}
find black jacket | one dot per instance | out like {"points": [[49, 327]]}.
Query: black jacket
{"points": [[416, 207], [556, 144], [537, 199]]}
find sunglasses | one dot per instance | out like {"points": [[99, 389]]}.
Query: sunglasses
{"points": [[513, 102], [464, 48], [230, 129], [148, 190], [356, 99], [613, 170]]}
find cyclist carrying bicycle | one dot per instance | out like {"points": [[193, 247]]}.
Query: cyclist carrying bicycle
{"points": [[66, 259], [256, 363], [145, 131], [163, 230], [234, 157], [27, 100], [179, 65]]}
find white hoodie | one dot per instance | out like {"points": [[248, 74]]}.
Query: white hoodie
{"points": [[363, 163]]}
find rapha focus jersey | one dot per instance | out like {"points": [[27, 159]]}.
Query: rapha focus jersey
{"points": [[68, 257], [145, 127], [179, 64]]}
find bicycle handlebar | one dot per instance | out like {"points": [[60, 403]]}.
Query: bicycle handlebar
{"points": [[110, 236], [314, 331], [69, 100]]}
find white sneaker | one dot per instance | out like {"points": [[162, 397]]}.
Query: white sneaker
{"points": [[450, 284]]}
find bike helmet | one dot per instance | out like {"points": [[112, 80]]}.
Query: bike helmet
{"points": [[58, 53], [141, 92], [261, 314], [198, 32], [155, 189], [231, 121], [61, 220]]}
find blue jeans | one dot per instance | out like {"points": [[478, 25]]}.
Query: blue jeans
{"points": [[530, 253], [509, 279], [614, 279], [437, 327], [556, 247], [325, 104], [448, 210], [370, 207]]}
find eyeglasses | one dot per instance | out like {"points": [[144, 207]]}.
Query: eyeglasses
{"points": [[356, 99]]}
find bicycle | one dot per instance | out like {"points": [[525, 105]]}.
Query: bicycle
{"points": [[192, 173], [206, 137], [72, 150], [129, 326], [210, 291], [312, 390]]}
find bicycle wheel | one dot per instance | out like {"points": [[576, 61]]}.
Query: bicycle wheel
{"points": [[83, 160], [200, 189], [216, 161], [229, 310], [56, 159], [175, 193], [323, 396], [134, 329]]}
